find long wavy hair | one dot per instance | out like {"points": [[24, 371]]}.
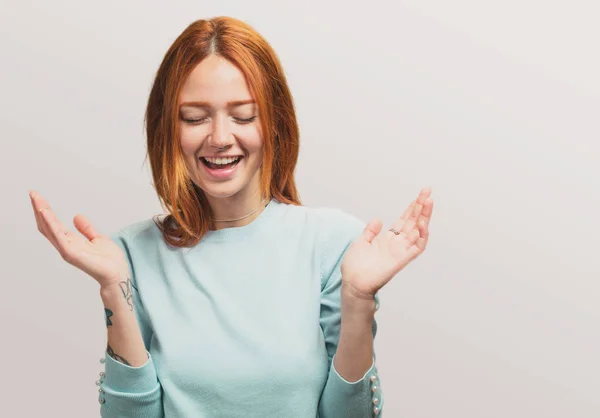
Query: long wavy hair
{"points": [[189, 216]]}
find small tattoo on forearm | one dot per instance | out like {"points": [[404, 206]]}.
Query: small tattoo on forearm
{"points": [[108, 313], [114, 355], [127, 292]]}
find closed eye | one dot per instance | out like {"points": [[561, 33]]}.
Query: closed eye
{"points": [[194, 121], [238, 120], [249, 120]]}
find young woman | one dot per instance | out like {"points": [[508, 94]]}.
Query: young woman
{"points": [[240, 302]]}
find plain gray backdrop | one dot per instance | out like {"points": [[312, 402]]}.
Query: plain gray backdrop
{"points": [[494, 104]]}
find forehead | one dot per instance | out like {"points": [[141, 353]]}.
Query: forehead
{"points": [[215, 80]]}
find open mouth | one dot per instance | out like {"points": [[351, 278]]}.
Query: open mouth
{"points": [[221, 163]]}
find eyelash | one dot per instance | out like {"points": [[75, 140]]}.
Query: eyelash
{"points": [[242, 121]]}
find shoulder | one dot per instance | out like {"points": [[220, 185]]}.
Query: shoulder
{"points": [[337, 227], [138, 242], [140, 233], [334, 230], [327, 219]]}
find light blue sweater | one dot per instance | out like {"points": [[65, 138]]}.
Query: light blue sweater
{"points": [[245, 324]]}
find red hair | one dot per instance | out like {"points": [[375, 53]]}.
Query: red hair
{"points": [[189, 212]]}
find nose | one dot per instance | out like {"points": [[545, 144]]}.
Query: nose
{"points": [[221, 137]]}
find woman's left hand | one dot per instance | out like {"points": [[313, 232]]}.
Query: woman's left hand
{"points": [[374, 258]]}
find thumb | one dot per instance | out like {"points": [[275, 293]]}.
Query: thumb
{"points": [[84, 226], [372, 229]]}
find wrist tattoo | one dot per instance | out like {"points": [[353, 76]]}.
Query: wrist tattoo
{"points": [[127, 292], [114, 355], [108, 314]]}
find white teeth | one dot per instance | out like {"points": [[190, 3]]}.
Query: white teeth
{"points": [[221, 160]]}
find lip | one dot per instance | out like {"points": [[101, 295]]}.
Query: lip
{"points": [[221, 174], [221, 156]]}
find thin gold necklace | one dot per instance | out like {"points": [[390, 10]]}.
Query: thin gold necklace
{"points": [[245, 216]]}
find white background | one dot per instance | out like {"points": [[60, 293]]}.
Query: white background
{"points": [[496, 105]]}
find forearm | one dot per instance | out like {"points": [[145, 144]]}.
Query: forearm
{"points": [[129, 387], [354, 354], [125, 343]]}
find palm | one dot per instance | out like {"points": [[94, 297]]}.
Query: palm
{"points": [[93, 253], [99, 257], [374, 258]]}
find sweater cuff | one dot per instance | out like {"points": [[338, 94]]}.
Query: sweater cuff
{"points": [[363, 394], [371, 372], [123, 378]]}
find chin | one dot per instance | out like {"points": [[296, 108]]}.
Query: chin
{"points": [[225, 189], [220, 192]]}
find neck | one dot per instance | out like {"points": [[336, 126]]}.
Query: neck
{"points": [[227, 211]]}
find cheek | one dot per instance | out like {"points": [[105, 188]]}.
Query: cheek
{"points": [[253, 140], [254, 145], [189, 142]]}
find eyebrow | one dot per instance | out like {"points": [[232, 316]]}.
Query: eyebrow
{"points": [[233, 103]]}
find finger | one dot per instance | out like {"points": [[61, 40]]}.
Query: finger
{"points": [[413, 252], [425, 216], [53, 230], [372, 229], [84, 226], [412, 211], [422, 236], [413, 236], [427, 208], [402, 219], [423, 225], [61, 236], [35, 211], [425, 192], [40, 204], [407, 211], [412, 220], [44, 206], [420, 201]]}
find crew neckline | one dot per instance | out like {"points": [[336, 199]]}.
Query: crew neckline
{"points": [[240, 232]]}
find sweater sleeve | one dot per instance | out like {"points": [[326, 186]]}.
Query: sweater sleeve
{"points": [[341, 398], [125, 391]]}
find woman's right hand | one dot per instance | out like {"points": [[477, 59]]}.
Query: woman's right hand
{"points": [[94, 253]]}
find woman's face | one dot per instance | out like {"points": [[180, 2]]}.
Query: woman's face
{"points": [[217, 110]]}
